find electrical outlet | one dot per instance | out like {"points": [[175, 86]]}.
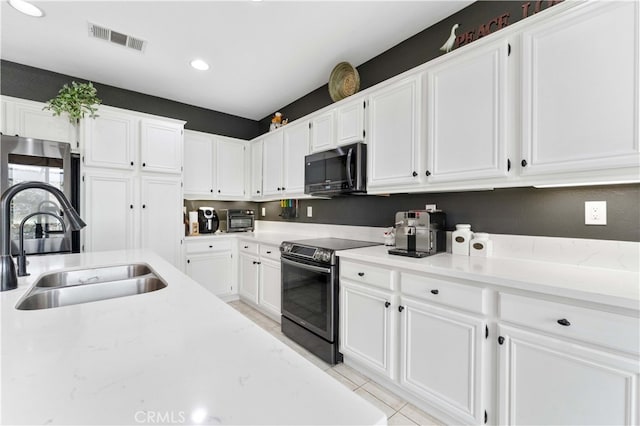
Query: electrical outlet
{"points": [[264, 211], [309, 211], [430, 207], [595, 212]]}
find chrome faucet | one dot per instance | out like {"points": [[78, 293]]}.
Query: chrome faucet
{"points": [[22, 256], [8, 277]]}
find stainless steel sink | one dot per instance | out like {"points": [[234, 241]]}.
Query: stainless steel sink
{"points": [[90, 285], [93, 276]]}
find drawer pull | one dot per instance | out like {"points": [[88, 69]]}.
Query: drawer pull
{"points": [[387, 304], [435, 291], [210, 246], [246, 246], [361, 274], [400, 308], [269, 252], [564, 322]]}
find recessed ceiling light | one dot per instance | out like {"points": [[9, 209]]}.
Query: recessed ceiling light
{"points": [[26, 8], [199, 64]]}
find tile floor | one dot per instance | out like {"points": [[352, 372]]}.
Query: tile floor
{"points": [[399, 412]]}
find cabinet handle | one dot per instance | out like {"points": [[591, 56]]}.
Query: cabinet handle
{"points": [[361, 274], [414, 174], [387, 304], [132, 163], [278, 188], [144, 164], [523, 163], [210, 246], [259, 263], [435, 291], [257, 192], [428, 173], [218, 191], [400, 308], [500, 340], [188, 261], [144, 206], [283, 188], [269, 252], [211, 190], [564, 322], [246, 247], [254, 262], [130, 206]]}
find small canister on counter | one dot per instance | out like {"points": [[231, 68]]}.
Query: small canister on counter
{"points": [[460, 239], [481, 245], [194, 226]]}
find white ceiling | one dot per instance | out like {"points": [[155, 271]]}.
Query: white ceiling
{"points": [[263, 55]]}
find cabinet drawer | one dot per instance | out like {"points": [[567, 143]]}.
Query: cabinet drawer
{"points": [[270, 252], [446, 292], [248, 247], [590, 325], [366, 274], [207, 246]]}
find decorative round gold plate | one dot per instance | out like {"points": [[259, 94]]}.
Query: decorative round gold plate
{"points": [[344, 81]]}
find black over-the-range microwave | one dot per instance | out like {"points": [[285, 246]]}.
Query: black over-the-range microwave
{"points": [[338, 171]]}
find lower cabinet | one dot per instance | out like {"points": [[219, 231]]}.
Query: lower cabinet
{"points": [[441, 357], [270, 291], [249, 276], [211, 264], [260, 278]]}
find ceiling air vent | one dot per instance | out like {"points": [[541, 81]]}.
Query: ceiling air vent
{"points": [[115, 37]]}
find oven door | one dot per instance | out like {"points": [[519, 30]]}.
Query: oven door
{"points": [[309, 296]]}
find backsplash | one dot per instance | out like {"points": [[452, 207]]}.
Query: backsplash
{"points": [[553, 212], [193, 205]]}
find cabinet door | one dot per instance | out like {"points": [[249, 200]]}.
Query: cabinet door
{"points": [[295, 147], [545, 381], [230, 158], [585, 117], [467, 116], [249, 276], [109, 211], [198, 164], [212, 271], [350, 123], [272, 164], [323, 132], [256, 169], [270, 287], [366, 326], [110, 140], [161, 219], [394, 157], [160, 146], [441, 358], [31, 121]]}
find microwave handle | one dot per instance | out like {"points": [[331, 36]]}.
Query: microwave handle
{"points": [[349, 155]]}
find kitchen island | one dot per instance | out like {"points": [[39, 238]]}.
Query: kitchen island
{"points": [[178, 355]]}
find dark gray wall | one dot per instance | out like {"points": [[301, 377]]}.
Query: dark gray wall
{"points": [[36, 84], [553, 212]]}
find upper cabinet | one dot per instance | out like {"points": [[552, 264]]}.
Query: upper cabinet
{"points": [[466, 115], [214, 166], [395, 136], [283, 160], [350, 122], [272, 164], [580, 90], [323, 131], [111, 140], [161, 146], [256, 169]]}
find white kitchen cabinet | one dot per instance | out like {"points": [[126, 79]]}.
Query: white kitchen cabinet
{"points": [[580, 90], [110, 210], [367, 326], [230, 168], [249, 277], [546, 381], [270, 291], [211, 264], [272, 156], [467, 115], [27, 119], [350, 122], [256, 169], [161, 220], [161, 146], [441, 357], [198, 164], [323, 131], [111, 140], [295, 148], [395, 137]]}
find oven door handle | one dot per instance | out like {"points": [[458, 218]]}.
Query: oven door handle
{"points": [[305, 266]]}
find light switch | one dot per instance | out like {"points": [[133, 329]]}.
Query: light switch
{"points": [[309, 211], [264, 211]]}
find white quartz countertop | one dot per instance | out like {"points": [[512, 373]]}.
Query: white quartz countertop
{"points": [[264, 237], [617, 287], [177, 355]]}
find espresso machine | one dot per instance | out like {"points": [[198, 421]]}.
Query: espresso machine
{"points": [[420, 233], [207, 220]]}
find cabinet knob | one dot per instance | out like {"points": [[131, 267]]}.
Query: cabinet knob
{"points": [[258, 191], [279, 188], [132, 163], [564, 322], [361, 274], [188, 261], [523, 163], [400, 308], [144, 164], [130, 206], [387, 304], [435, 291], [211, 190], [210, 246], [414, 174], [428, 173], [218, 191], [254, 262], [144, 206], [500, 340], [246, 247], [269, 252]]}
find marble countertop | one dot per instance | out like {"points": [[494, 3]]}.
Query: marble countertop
{"points": [[179, 355], [265, 237], [616, 287]]}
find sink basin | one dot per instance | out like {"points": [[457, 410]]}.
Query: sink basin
{"points": [[93, 276], [90, 285]]}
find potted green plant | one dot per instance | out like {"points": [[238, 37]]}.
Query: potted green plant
{"points": [[76, 100]]}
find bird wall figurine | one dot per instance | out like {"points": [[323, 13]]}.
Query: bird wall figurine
{"points": [[448, 45]]}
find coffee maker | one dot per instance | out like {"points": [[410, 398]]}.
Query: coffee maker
{"points": [[420, 233], [207, 220]]}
